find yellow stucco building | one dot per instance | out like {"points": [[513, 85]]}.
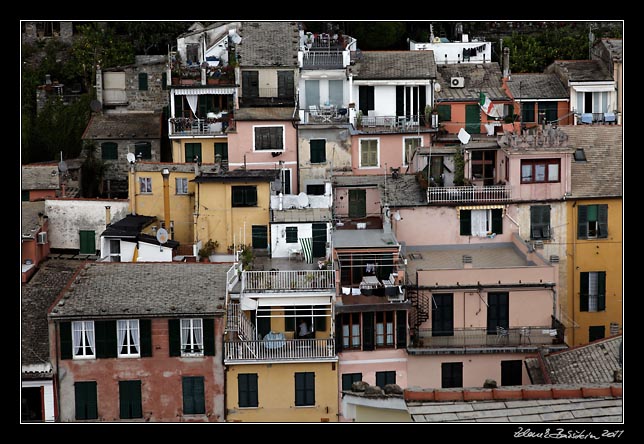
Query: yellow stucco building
{"points": [[595, 223], [234, 207]]}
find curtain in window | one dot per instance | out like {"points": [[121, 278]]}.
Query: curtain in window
{"points": [[121, 335], [78, 334], [198, 332], [192, 102], [134, 331], [390, 333], [345, 336], [380, 328], [592, 291], [185, 334], [479, 222], [89, 334], [355, 335]]}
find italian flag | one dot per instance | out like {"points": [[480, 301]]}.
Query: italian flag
{"points": [[486, 104]]}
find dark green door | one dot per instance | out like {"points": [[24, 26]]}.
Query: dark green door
{"points": [[473, 119], [319, 240], [260, 236], [87, 242], [357, 203]]}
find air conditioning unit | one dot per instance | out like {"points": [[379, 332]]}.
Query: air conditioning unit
{"points": [[457, 82], [42, 237]]}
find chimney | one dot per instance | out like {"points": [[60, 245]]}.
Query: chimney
{"points": [[108, 216], [506, 62], [41, 218]]}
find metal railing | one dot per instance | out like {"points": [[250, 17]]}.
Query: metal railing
{"points": [[238, 322], [326, 116], [480, 337], [288, 280], [279, 350], [232, 275], [184, 126], [390, 123], [491, 193], [319, 59]]}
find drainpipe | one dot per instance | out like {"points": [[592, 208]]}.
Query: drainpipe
{"points": [[166, 197], [56, 342], [133, 189], [108, 216]]}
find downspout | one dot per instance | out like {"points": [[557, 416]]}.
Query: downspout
{"points": [[56, 342], [574, 254]]}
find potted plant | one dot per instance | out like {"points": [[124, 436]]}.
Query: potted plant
{"points": [[359, 119], [246, 257], [231, 248], [428, 115], [208, 250]]}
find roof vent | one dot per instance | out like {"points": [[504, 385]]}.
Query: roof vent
{"points": [[554, 259], [467, 259]]}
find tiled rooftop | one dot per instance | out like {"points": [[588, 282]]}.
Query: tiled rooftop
{"points": [[265, 113], [239, 174], [268, 44], [147, 289], [40, 177], [537, 86], [602, 173], [615, 48], [479, 77], [363, 238], [389, 65], [124, 126], [581, 70], [36, 297], [594, 362]]}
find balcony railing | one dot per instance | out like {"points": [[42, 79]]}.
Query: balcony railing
{"points": [[397, 124], [319, 59], [327, 116], [267, 97], [232, 275], [492, 193], [236, 321], [183, 126], [479, 337], [279, 350], [261, 281]]}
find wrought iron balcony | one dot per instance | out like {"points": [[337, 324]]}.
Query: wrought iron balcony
{"points": [[482, 337], [279, 350], [308, 280], [492, 193]]}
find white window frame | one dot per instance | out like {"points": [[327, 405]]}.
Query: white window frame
{"points": [[181, 186], [377, 153], [145, 185], [404, 163], [191, 326], [270, 150], [117, 255], [129, 339], [86, 328]]}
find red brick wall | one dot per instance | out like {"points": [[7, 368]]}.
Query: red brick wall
{"points": [[160, 376]]}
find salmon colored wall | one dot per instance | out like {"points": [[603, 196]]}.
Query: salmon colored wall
{"points": [[342, 201], [41, 195], [425, 371], [457, 120], [539, 191], [240, 149], [207, 148]]}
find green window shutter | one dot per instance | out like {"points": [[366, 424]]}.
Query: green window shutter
{"points": [[466, 222], [109, 151], [299, 389], [105, 338], [338, 334], [193, 150], [583, 291], [66, 340], [25, 195], [318, 150], [209, 337], [130, 399], [199, 395], [582, 222], [143, 81], [259, 236], [291, 235], [145, 337], [188, 395], [251, 196], [247, 389], [174, 336], [601, 291], [367, 331], [401, 329], [164, 80], [602, 221], [85, 400], [237, 196], [193, 395], [497, 221], [444, 113]]}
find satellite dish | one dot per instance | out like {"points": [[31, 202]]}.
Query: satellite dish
{"points": [[276, 185], [95, 105], [464, 136], [397, 216], [162, 235], [131, 157], [62, 166], [437, 87], [302, 200], [234, 37]]}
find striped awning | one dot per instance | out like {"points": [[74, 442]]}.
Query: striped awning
{"points": [[480, 207], [307, 249]]}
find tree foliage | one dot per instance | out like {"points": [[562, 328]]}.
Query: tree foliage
{"points": [[93, 171], [378, 35], [154, 37]]}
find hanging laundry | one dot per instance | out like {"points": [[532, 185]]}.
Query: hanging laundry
{"points": [[370, 268]]}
